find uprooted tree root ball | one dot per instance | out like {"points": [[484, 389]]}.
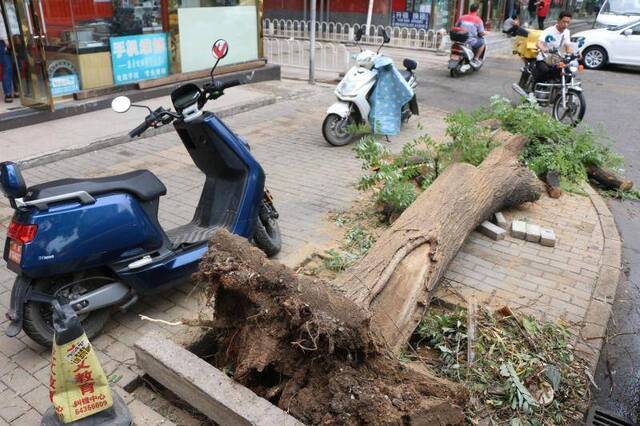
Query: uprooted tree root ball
{"points": [[308, 349]]}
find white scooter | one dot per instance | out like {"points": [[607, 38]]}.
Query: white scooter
{"points": [[353, 95]]}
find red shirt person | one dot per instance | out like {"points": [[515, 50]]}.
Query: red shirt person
{"points": [[473, 24], [543, 10]]}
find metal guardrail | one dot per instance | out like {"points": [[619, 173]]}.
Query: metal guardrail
{"points": [[337, 32], [333, 57]]}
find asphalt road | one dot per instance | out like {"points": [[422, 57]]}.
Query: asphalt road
{"points": [[613, 106]]}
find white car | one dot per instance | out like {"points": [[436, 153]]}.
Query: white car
{"points": [[613, 45], [618, 12]]}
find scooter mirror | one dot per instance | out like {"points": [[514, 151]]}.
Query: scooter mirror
{"points": [[359, 33], [385, 36], [220, 48], [121, 104]]}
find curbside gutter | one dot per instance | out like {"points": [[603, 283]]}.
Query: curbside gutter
{"points": [[594, 325]]}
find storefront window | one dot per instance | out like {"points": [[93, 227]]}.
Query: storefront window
{"points": [[201, 22], [441, 14], [81, 35], [66, 46]]}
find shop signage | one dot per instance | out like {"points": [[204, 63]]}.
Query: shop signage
{"points": [[419, 20], [139, 57], [64, 84]]}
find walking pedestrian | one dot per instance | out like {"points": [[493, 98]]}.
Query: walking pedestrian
{"points": [[6, 63], [531, 8], [543, 9]]}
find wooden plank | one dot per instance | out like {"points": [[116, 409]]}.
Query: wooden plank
{"points": [[243, 66], [95, 70], [205, 387]]}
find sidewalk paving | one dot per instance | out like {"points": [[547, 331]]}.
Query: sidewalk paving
{"points": [[309, 179]]}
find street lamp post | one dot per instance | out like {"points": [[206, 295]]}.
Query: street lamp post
{"points": [[312, 43], [369, 13]]}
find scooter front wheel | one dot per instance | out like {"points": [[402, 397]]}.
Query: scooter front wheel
{"points": [[573, 111], [38, 322], [335, 130], [266, 234]]}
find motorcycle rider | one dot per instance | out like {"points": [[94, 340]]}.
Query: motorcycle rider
{"points": [[473, 24], [553, 39]]}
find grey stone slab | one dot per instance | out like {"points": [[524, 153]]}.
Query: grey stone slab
{"points": [[547, 237], [518, 229], [204, 386], [532, 233], [501, 221], [492, 231]]}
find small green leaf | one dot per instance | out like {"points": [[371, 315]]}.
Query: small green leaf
{"points": [[530, 326]]}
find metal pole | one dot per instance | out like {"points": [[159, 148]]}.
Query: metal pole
{"points": [[312, 44], [369, 13]]}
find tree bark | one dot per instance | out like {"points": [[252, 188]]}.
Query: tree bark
{"points": [[397, 277], [608, 179]]}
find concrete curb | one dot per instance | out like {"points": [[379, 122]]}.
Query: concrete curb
{"points": [[124, 138], [205, 387], [594, 326]]}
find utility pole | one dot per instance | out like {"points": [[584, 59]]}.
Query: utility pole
{"points": [[312, 44]]}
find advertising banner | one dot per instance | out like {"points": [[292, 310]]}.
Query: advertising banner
{"points": [[418, 20], [139, 57]]}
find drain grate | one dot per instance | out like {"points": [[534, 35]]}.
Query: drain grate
{"points": [[599, 417]]}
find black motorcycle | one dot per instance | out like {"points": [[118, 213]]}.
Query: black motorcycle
{"points": [[564, 94]]}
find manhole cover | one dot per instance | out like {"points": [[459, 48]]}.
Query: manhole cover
{"points": [[599, 417]]}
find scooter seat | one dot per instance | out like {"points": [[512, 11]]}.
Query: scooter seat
{"points": [[141, 183], [406, 74]]}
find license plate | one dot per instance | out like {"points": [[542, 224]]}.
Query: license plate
{"points": [[455, 57], [15, 252]]}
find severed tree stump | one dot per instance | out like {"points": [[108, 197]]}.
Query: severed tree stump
{"points": [[327, 351], [552, 178]]}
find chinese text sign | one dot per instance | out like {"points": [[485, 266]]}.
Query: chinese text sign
{"points": [[139, 57]]}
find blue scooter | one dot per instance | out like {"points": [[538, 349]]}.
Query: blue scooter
{"points": [[97, 243]]}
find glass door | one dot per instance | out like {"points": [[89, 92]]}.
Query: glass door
{"points": [[29, 53]]}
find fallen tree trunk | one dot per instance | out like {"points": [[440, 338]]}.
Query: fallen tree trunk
{"points": [[327, 352], [397, 277], [608, 179]]}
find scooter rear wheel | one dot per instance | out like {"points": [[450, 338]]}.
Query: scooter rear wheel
{"points": [[38, 323]]}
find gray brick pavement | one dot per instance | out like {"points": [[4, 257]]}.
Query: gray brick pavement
{"points": [[551, 283]]}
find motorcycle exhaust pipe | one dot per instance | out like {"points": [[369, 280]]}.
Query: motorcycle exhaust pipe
{"points": [[519, 90]]}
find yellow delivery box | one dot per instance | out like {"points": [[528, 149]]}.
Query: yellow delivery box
{"points": [[526, 47]]}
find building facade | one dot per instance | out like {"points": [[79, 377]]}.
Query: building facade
{"points": [[61, 47]]}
